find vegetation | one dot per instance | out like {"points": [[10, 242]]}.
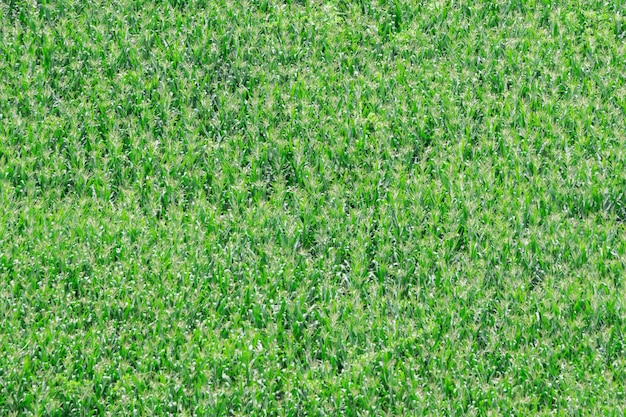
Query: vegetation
{"points": [[343, 207]]}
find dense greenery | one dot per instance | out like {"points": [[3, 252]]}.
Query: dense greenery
{"points": [[343, 207]]}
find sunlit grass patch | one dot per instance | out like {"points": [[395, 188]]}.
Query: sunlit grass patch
{"points": [[303, 207]]}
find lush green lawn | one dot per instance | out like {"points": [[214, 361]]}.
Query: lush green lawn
{"points": [[365, 207]]}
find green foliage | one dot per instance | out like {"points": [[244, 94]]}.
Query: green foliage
{"points": [[348, 207]]}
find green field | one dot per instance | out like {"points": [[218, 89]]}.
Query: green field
{"points": [[324, 208]]}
